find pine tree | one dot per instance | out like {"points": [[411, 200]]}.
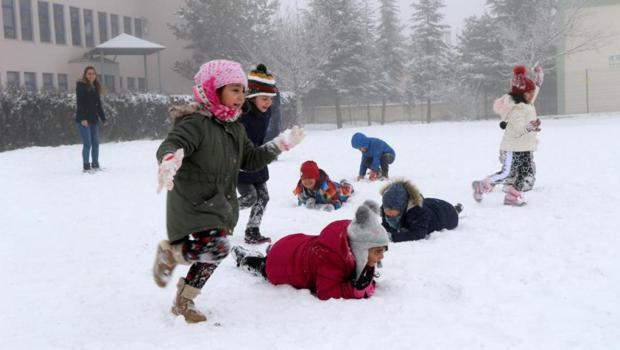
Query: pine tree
{"points": [[428, 52], [391, 54], [342, 71]]}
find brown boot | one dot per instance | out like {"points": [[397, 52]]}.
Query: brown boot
{"points": [[184, 303], [166, 259]]}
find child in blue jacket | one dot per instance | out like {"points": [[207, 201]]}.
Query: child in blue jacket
{"points": [[377, 155]]}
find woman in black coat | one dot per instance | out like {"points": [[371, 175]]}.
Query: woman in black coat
{"points": [[89, 111], [408, 216]]}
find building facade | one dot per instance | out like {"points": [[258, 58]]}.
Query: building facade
{"points": [[43, 44], [589, 81]]}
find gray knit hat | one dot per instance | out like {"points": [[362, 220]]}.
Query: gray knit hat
{"points": [[365, 232]]}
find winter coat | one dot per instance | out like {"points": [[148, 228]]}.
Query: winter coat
{"points": [[517, 115], [327, 192], [324, 264], [88, 102], [375, 149], [204, 194], [255, 123], [423, 216]]}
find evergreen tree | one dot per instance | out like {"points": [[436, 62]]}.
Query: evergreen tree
{"points": [[391, 54], [428, 52]]}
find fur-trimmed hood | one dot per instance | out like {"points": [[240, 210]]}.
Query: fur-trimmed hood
{"points": [[180, 111], [415, 197]]}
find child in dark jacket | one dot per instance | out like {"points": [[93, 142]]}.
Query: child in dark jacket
{"points": [[377, 156], [252, 186], [408, 216], [338, 263], [316, 191]]}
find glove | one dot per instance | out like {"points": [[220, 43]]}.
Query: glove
{"points": [[289, 138], [373, 175], [540, 75], [534, 125], [503, 124], [364, 286], [311, 203], [168, 168], [327, 207]]}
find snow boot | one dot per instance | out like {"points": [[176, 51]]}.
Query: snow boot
{"points": [[253, 236], [87, 168], [95, 167], [458, 207], [184, 303], [514, 198], [167, 258], [481, 187], [241, 253]]}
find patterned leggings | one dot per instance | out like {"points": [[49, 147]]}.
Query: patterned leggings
{"points": [[521, 166], [255, 196], [205, 250]]}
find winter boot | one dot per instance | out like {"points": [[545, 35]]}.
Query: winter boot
{"points": [[458, 207], [95, 167], [481, 187], [514, 198], [241, 253], [87, 168], [184, 303], [253, 236], [167, 258]]}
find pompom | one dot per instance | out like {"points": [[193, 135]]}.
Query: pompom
{"points": [[261, 68], [519, 70], [372, 205], [362, 215]]}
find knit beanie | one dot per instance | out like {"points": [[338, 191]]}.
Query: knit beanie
{"points": [[261, 83], [310, 170], [212, 76], [396, 197], [520, 82], [365, 232]]}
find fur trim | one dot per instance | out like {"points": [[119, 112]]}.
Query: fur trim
{"points": [[415, 197], [180, 111]]}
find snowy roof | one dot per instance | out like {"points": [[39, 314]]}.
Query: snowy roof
{"points": [[125, 44]]}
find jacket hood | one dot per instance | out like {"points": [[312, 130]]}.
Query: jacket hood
{"points": [[415, 197], [180, 111], [359, 140]]}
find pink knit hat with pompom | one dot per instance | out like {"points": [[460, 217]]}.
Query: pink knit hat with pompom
{"points": [[212, 76]]}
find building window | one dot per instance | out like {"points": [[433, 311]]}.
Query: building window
{"points": [[12, 80], [139, 28], [25, 17], [63, 82], [114, 25], [103, 26], [30, 81], [8, 18], [89, 29], [44, 22], [59, 24], [48, 81], [127, 25], [141, 84], [131, 84], [109, 83], [76, 27]]}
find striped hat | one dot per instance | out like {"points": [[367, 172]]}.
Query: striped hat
{"points": [[261, 83]]}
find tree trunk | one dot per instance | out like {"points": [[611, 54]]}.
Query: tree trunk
{"points": [[368, 114], [486, 104], [428, 110], [383, 102], [338, 111]]}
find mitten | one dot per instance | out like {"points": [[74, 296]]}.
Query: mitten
{"points": [[540, 76], [534, 125], [168, 168], [373, 175], [289, 138], [311, 203], [364, 286]]}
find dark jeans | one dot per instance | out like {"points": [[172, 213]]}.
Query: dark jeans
{"points": [[90, 142], [386, 160]]}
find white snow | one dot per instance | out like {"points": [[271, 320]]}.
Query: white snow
{"points": [[76, 251]]}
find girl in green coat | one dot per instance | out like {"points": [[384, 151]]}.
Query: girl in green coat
{"points": [[199, 162]]}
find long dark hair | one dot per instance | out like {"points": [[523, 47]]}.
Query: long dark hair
{"points": [[518, 98], [96, 82]]}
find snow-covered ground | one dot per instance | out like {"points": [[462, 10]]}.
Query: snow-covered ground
{"points": [[76, 251]]}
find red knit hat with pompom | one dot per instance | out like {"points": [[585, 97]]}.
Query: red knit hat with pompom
{"points": [[310, 170], [520, 82]]}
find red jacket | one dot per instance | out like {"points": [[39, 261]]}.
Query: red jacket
{"points": [[324, 263]]}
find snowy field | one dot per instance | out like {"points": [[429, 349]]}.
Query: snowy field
{"points": [[76, 251]]}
